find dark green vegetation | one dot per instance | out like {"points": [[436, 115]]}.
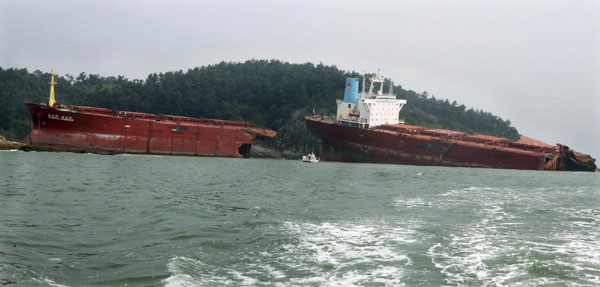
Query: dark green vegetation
{"points": [[268, 93]]}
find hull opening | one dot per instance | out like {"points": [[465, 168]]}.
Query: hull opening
{"points": [[244, 150]]}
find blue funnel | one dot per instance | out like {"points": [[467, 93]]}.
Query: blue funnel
{"points": [[351, 92]]}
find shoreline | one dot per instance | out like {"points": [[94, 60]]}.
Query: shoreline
{"points": [[258, 151], [10, 145]]}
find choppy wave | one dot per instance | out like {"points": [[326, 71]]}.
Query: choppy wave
{"points": [[580, 244], [412, 202], [73, 220], [50, 282], [356, 253], [474, 257], [506, 245], [325, 254]]}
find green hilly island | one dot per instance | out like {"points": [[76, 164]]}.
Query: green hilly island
{"points": [[269, 93]]}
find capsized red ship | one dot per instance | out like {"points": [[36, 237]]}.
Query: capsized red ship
{"points": [[367, 129], [88, 129]]}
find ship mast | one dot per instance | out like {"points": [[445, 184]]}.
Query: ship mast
{"points": [[52, 100], [364, 83]]}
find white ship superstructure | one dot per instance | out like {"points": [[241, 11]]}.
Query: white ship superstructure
{"points": [[368, 109]]}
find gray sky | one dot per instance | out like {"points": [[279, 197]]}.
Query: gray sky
{"points": [[536, 63]]}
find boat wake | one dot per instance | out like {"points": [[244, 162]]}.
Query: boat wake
{"points": [[325, 254], [504, 247]]}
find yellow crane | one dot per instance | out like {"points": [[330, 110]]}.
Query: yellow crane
{"points": [[52, 100]]}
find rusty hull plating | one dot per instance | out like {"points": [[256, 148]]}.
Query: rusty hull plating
{"points": [[415, 145], [98, 130]]}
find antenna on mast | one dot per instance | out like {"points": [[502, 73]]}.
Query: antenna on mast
{"points": [[380, 79]]}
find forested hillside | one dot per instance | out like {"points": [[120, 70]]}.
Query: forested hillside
{"points": [[268, 93]]}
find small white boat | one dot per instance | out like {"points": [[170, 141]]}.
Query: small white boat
{"points": [[310, 158]]}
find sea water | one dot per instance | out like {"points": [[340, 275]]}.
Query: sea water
{"points": [[94, 220]]}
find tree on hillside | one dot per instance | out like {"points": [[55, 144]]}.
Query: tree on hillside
{"points": [[267, 93]]}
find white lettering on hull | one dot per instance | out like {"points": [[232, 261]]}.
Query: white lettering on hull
{"points": [[60, 118]]}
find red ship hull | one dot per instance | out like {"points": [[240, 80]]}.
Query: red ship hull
{"points": [[89, 129], [401, 144]]}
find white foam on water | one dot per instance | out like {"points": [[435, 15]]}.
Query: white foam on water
{"points": [[180, 280], [243, 279], [52, 283], [49, 281], [580, 244], [274, 273], [324, 254], [493, 250], [379, 277], [411, 202], [348, 254], [188, 272], [465, 258], [467, 190]]}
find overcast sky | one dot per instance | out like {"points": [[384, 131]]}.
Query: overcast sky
{"points": [[536, 63]]}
